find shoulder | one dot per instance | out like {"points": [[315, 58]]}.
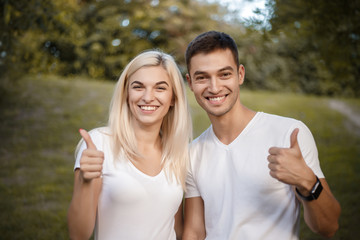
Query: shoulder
{"points": [[279, 127], [277, 119], [200, 140], [285, 122], [101, 132], [100, 136], [279, 123]]}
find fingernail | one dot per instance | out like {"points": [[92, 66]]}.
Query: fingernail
{"points": [[80, 129]]}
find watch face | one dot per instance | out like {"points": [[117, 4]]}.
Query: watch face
{"points": [[316, 189], [314, 193], [313, 190]]}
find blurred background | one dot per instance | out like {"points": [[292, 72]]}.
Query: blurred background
{"points": [[302, 46], [59, 61]]}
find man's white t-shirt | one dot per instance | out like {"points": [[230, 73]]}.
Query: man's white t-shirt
{"points": [[241, 199], [132, 205]]}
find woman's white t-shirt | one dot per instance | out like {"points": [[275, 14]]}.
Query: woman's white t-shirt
{"points": [[132, 205]]}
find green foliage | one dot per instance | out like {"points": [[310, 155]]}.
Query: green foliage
{"points": [[320, 41], [308, 46], [37, 36], [96, 38]]}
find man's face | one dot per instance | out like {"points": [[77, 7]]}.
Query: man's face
{"points": [[214, 79]]}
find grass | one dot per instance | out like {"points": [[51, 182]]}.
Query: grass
{"points": [[39, 126]]}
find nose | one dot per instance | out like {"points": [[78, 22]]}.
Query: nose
{"points": [[214, 86], [148, 96]]}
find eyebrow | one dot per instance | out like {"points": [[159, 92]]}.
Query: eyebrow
{"points": [[162, 82], [220, 70], [158, 83]]}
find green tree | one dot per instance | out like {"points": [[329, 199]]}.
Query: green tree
{"points": [[321, 41], [38, 35], [116, 31]]}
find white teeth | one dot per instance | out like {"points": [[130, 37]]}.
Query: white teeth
{"points": [[148, 108], [216, 99]]}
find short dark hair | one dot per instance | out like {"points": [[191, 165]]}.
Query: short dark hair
{"points": [[208, 42]]}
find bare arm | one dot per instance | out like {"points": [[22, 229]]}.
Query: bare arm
{"points": [[288, 166], [194, 225], [87, 188], [179, 222], [82, 210], [322, 214]]}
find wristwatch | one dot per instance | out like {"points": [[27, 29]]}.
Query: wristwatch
{"points": [[314, 193]]}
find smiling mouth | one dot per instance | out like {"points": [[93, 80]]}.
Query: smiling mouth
{"points": [[148, 108], [216, 99]]}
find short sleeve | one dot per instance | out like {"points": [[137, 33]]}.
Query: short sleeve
{"points": [[97, 137], [191, 188], [308, 149], [80, 148]]}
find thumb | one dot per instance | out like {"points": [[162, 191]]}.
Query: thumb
{"points": [[293, 139], [85, 135]]}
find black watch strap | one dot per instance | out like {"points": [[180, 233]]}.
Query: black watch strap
{"points": [[314, 193]]}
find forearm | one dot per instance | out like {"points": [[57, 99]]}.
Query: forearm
{"points": [[189, 235], [179, 223], [82, 210], [322, 214], [194, 225]]}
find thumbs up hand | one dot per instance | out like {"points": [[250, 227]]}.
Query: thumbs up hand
{"points": [[288, 165], [91, 160]]}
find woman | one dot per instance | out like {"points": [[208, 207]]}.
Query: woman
{"points": [[130, 175]]}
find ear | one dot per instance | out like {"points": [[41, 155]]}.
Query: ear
{"points": [[241, 72], [188, 79]]}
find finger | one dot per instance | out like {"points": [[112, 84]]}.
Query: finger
{"points": [[274, 150], [272, 159], [272, 166], [93, 153], [91, 175], [293, 139], [91, 168], [91, 160], [85, 135]]}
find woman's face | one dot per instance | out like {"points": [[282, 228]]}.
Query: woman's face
{"points": [[150, 95]]}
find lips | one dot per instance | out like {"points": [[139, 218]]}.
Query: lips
{"points": [[216, 100], [148, 108]]}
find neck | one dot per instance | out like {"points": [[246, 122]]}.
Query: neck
{"points": [[147, 137], [228, 126]]}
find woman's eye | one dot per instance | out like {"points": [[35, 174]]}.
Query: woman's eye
{"points": [[161, 88]]}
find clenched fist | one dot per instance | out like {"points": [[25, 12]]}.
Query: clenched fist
{"points": [[91, 160]]}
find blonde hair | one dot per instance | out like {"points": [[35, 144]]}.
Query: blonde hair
{"points": [[176, 128]]}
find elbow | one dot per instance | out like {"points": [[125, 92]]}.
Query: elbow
{"points": [[335, 225], [77, 231], [75, 235], [330, 232]]}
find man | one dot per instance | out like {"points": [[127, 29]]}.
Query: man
{"points": [[250, 171]]}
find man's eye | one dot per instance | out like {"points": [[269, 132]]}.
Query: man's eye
{"points": [[200, 78], [226, 74]]}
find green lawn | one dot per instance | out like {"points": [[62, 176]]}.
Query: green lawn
{"points": [[39, 126]]}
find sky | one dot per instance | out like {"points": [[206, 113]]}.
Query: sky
{"points": [[245, 8]]}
